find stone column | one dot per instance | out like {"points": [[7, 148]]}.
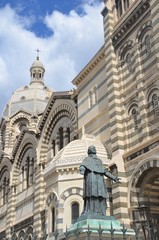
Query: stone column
{"points": [[24, 176], [142, 99], [65, 136], [7, 136], [53, 148], [31, 166], [59, 218], [1, 199], [20, 187], [3, 193], [114, 9], [122, 3], [154, 6], [10, 211], [57, 146], [116, 111], [39, 200], [7, 191]]}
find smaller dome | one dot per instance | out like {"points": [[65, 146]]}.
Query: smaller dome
{"points": [[37, 64], [37, 71], [74, 153]]}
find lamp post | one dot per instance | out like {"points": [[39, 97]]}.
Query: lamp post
{"points": [[142, 220]]}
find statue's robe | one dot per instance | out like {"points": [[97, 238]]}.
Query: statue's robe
{"points": [[94, 187]]}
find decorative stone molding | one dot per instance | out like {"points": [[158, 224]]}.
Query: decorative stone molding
{"points": [[122, 31]]}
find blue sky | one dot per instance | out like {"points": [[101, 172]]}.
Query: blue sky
{"points": [[68, 33], [38, 9]]}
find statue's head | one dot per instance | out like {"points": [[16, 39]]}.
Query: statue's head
{"points": [[91, 150]]}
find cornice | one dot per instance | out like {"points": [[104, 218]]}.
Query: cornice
{"points": [[140, 146], [60, 171], [129, 21], [90, 66]]}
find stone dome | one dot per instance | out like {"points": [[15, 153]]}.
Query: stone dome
{"points": [[32, 98], [37, 64], [74, 153]]}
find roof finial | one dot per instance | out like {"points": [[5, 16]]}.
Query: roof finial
{"points": [[37, 50]]}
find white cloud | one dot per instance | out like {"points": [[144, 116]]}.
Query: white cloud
{"points": [[75, 39]]}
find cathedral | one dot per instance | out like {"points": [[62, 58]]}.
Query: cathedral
{"points": [[44, 134]]}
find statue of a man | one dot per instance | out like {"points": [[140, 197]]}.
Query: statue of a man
{"points": [[94, 188]]}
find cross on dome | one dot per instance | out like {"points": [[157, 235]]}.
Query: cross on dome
{"points": [[37, 50]]}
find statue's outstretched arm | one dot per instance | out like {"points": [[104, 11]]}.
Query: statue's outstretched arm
{"points": [[109, 175]]}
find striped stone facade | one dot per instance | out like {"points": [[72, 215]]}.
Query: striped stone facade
{"points": [[129, 129], [115, 107]]}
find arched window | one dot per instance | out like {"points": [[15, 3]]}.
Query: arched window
{"points": [[126, 4], [68, 135], [4, 190], [155, 103], [5, 186], [74, 211], [135, 118], [14, 237], [53, 147], [53, 219], [148, 45], [30, 237], [129, 62], [28, 172], [119, 7], [61, 137]]}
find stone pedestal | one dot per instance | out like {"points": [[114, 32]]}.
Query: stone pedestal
{"points": [[99, 227]]}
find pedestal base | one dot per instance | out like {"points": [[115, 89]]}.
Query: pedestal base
{"points": [[94, 227]]}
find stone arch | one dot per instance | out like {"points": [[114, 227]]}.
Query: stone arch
{"points": [[4, 183], [152, 97], [28, 141], [2, 134], [69, 192], [18, 117], [14, 236], [29, 232], [3, 170], [51, 203], [59, 112], [143, 192], [123, 50], [27, 145], [6, 163], [67, 198], [21, 235], [62, 122], [138, 175], [52, 197], [133, 104], [151, 91], [18, 122], [142, 31]]}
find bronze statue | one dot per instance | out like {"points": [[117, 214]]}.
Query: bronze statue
{"points": [[94, 189]]}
